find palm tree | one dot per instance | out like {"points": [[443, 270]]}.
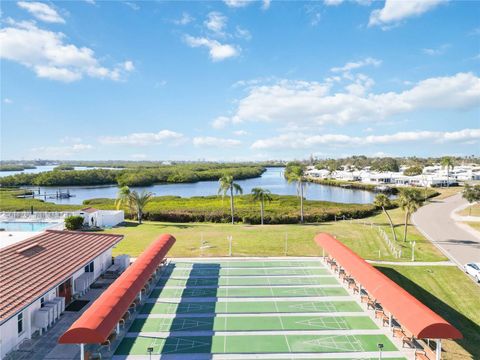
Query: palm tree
{"points": [[296, 174], [124, 199], [447, 162], [227, 185], [261, 195], [139, 202], [410, 200], [382, 201]]}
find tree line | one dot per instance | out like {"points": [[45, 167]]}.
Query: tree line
{"points": [[132, 177]]}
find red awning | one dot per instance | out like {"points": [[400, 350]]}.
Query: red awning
{"points": [[422, 322], [97, 323]]}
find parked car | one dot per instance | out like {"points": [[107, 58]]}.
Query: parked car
{"points": [[474, 270]]}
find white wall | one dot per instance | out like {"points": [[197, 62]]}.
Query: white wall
{"points": [[9, 338]]}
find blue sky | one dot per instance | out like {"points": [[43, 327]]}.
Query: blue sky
{"points": [[239, 80]]}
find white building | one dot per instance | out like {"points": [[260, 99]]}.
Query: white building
{"points": [[40, 276], [101, 218]]}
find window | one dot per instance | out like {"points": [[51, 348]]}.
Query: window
{"points": [[42, 302], [89, 268], [20, 323]]}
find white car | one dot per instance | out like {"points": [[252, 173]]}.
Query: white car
{"points": [[474, 270]]}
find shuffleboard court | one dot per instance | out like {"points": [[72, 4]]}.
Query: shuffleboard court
{"points": [[269, 308], [239, 344], [251, 281], [249, 292], [249, 264], [250, 307], [253, 323], [174, 272]]}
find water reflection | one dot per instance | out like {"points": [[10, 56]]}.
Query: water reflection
{"points": [[272, 179]]}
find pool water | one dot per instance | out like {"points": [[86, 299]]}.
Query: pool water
{"points": [[25, 226]]}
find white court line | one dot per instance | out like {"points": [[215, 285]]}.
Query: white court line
{"points": [[243, 315], [310, 300], [328, 332], [281, 321]]}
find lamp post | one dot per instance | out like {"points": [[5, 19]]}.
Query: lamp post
{"points": [[380, 347], [150, 350], [413, 250]]}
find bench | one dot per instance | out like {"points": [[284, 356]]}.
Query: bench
{"points": [[111, 338], [425, 352], [371, 303]]}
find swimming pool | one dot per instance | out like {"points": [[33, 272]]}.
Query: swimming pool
{"points": [[26, 226]]}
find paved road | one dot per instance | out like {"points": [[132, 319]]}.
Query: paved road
{"points": [[456, 240]]}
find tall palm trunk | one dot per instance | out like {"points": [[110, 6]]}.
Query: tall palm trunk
{"points": [[407, 215], [139, 216], [301, 202], [261, 211], [232, 209], [391, 223], [448, 175]]}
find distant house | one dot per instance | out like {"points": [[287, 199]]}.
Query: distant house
{"points": [[101, 218], [41, 274]]}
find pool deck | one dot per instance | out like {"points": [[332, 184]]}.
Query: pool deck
{"points": [[8, 238]]}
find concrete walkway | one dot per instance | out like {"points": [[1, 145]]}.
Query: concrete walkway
{"points": [[455, 240]]}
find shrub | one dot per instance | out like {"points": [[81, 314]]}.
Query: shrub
{"points": [[74, 222]]}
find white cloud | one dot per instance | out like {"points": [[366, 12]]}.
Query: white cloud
{"points": [[210, 141], [42, 11], [217, 50], [49, 56], [220, 122], [266, 4], [60, 152], [303, 141], [242, 33], [332, 2], [184, 20], [313, 103], [91, 2], [436, 51], [7, 101], [128, 66], [240, 132], [141, 139], [353, 65], [216, 23], [395, 11], [132, 5], [237, 3]]}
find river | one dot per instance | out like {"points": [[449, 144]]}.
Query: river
{"points": [[272, 179]]}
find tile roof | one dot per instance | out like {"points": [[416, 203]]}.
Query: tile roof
{"points": [[89, 210], [30, 268]]}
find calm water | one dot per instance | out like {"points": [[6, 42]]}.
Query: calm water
{"points": [[272, 179], [25, 226], [44, 168]]}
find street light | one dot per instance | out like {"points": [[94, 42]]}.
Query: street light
{"points": [[413, 250], [150, 350], [380, 347]]}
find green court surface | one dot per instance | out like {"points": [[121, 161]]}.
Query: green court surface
{"points": [[254, 344], [249, 292], [250, 307], [294, 306], [244, 272], [253, 323], [249, 264], [250, 281]]}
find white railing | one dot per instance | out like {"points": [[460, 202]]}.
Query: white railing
{"points": [[46, 216]]}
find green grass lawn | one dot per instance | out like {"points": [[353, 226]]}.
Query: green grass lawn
{"points": [[474, 225], [452, 295], [206, 239], [472, 210]]}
